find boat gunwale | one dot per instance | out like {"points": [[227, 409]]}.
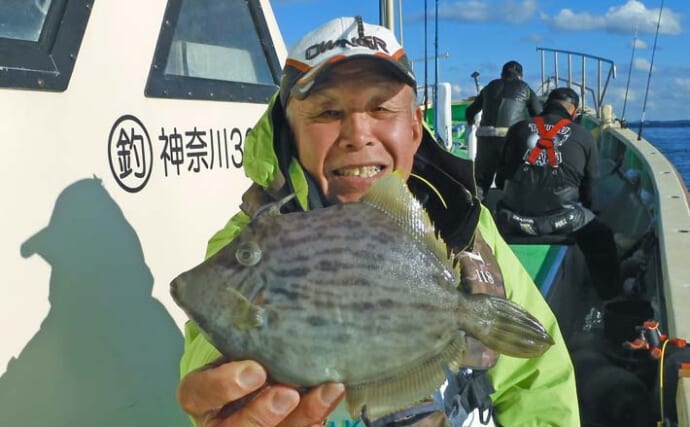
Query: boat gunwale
{"points": [[672, 210]]}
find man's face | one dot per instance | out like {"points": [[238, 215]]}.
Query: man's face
{"points": [[353, 128]]}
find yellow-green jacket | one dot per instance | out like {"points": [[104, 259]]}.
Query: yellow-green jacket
{"points": [[529, 392]]}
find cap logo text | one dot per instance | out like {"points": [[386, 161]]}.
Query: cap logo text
{"points": [[371, 42]]}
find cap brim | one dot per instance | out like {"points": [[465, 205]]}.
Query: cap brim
{"points": [[36, 243]]}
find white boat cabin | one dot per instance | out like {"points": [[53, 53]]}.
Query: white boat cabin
{"points": [[124, 123]]}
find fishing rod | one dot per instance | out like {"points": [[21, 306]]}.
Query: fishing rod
{"points": [[627, 86], [436, 106], [400, 20], [649, 76], [426, 65]]}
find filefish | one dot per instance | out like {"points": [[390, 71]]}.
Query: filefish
{"points": [[362, 293]]}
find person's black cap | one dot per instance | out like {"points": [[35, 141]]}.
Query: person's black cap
{"points": [[511, 69], [564, 94]]}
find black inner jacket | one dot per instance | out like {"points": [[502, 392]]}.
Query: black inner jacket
{"points": [[503, 102]]}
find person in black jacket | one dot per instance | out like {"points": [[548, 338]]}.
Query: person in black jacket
{"points": [[502, 102], [549, 163]]}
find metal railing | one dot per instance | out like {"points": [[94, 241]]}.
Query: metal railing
{"points": [[571, 80]]}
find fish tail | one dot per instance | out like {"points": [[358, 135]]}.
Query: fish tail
{"points": [[504, 326]]}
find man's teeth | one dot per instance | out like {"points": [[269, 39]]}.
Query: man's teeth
{"points": [[364, 171]]}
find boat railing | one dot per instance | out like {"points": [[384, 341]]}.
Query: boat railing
{"points": [[579, 68]]}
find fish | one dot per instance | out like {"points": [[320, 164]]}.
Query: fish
{"points": [[364, 293]]}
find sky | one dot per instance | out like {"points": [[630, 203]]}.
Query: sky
{"points": [[481, 35]]}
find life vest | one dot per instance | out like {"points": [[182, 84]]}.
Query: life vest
{"points": [[535, 185], [545, 142]]}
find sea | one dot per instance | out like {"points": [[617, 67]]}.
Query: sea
{"points": [[674, 143]]}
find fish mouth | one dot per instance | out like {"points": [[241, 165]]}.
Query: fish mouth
{"points": [[175, 289], [368, 171]]}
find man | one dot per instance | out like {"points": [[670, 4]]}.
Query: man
{"points": [[550, 163], [346, 115], [503, 102]]}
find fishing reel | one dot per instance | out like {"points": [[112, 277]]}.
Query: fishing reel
{"points": [[652, 340], [673, 355]]}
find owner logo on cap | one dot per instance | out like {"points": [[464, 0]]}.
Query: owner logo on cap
{"points": [[337, 40]]}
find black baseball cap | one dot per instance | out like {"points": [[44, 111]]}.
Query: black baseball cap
{"points": [[564, 94]]}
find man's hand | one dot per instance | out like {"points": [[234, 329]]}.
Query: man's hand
{"points": [[204, 394]]}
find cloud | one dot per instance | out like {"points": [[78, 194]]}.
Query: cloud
{"points": [[535, 38], [638, 44], [641, 64], [569, 20], [512, 11], [627, 18], [619, 94], [682, 83]]}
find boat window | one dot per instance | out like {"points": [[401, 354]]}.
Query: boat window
{"points": [[22, 19], [214, 49], [39, 42]]}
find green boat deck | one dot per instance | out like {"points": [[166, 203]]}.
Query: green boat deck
{"points": [[541, 262]]}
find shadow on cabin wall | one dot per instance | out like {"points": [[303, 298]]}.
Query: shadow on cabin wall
{"points": [[107, 352]]}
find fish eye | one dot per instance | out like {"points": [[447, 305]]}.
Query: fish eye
{"points": [[248, 254]]}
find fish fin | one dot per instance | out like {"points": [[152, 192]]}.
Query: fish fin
{"points": [[504, 326], [244, 314], [390, 195], [273, 208], [403, 389]]}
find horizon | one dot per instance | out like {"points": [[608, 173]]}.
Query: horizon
{"points": [[475, 36]]}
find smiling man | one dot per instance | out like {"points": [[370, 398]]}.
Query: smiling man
{"points": [[346, 115], [354, 127]]}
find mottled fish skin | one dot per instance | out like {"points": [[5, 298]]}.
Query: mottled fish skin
{"points": [[342, 285], [355, 293]]}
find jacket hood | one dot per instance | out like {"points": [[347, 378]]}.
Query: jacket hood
{"points": [[270, 157]]}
